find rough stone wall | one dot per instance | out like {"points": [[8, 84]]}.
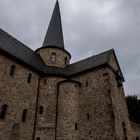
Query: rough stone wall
{"points": [[136, 131], [96, 121], [61, 55], [18, 95], [45, 127], [120, 110], [122, 124], [68, 114]]}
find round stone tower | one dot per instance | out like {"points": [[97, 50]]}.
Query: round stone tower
{"points": [[53, 52]]}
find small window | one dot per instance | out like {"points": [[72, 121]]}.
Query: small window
{"points": [[88, 116], [41, 110], [45, 81], [112, 115], [3, 111], [76, 126], [86, 83], [137, 138], [12, 70], [24, 115], [38, 138], [53, 57], [109, 90], [105, 74], [29, 78]]}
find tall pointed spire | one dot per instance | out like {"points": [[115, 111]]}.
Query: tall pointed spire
{"points": [[54, 35]]}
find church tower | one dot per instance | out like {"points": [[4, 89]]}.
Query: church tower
{"points": [[53, 51]]}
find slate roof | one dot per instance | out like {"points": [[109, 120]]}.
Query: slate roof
{"points": [[23, 53], [54, 35], [89, 63], [17, 49]]}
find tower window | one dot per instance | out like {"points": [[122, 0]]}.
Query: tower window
{"points": [[53, 57], [12, 70], [3, 111], [29, 78], [24, 115], [41, 110]]}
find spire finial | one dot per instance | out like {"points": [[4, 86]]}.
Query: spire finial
{"points": [[54, 35]]}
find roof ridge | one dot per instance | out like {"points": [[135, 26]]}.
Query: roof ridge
{"points": [[108, 51]]}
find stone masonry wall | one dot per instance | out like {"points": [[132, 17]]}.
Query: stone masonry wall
{"points": [[96, 120], [120, 110], [61, 55], [45, 127], [68, 114], [122, 123], [18, 95], [136, 131]]}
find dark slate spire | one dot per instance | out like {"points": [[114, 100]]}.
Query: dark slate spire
{"points": [[54, 36]]}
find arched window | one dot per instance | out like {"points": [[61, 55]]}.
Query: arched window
{"points": [[24, 115], [41, 110], [29, 78], [3, 111], [53, 57], [12, 70]]}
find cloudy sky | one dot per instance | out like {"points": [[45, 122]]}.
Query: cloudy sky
{"points": [[89, 26]]}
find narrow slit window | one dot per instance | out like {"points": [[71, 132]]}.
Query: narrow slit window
{"points": [[24, 115], [41, 110], [86, 83], [12, 70], [88, 116], [76, 126], [53, 57], [29, 78], [3, 111]]}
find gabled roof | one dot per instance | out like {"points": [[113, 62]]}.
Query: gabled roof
{"points": [[89, 63], [15, 48], [54, 35]]}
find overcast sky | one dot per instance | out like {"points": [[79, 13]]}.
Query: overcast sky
{"points": [[89, 26]]}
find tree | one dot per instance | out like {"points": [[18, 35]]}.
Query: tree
{"points": [[133, 104]]}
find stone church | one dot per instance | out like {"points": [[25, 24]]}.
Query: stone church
{"points": [[44, 97]]}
